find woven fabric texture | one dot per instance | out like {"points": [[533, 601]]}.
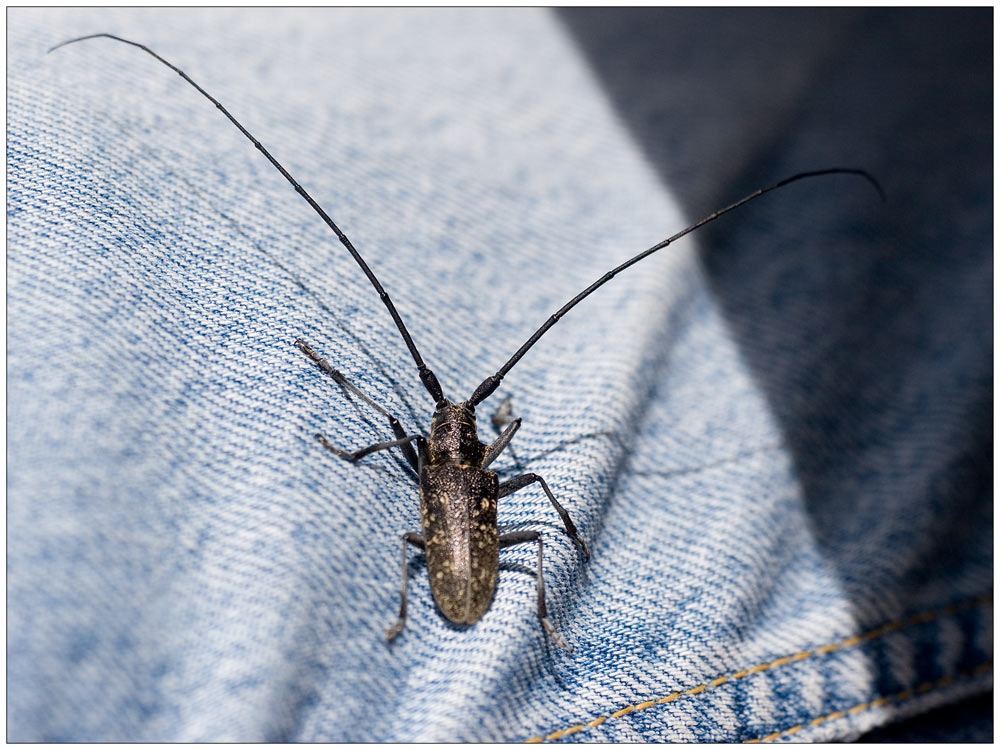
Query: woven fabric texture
{"points": [[775, 435]]}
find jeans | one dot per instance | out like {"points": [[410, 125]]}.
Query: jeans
{"points": [[774, 435]]}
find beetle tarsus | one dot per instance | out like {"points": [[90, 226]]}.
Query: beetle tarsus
{"points": [[335, 450], [554, 634], [396, 629], [503, 415]]}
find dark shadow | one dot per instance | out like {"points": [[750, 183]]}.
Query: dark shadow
{"points": [[868, 326], [968, 721]]}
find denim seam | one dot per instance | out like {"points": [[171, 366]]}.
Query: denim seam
{"points": [[870, 635], [897, 698]]}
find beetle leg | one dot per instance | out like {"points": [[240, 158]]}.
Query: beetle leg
{"points": [[359, 454], [339, 379], [520, 537], [410, 537], [500, 443], [513, 485], [503, 414]]}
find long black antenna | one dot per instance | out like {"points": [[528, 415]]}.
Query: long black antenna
{"points": [[490, 384], [427, 377]]}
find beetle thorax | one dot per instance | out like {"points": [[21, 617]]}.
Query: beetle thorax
{"points": [[454, 439]]}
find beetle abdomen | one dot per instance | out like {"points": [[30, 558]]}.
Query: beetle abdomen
{"points": [[458, 507]]}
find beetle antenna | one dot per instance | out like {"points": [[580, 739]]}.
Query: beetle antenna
{"points": [[427, 377], [490, 384]]}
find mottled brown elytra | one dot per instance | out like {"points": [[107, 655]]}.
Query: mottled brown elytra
{"points": [[458, 492]]}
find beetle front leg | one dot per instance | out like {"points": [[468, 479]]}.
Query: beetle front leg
{"points": [[506, 425], [343, 382], [503, 415], [410, 537], [496, 448], [520, 537], [513, 485]]}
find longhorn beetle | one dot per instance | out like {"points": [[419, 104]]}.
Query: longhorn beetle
{"points": [[458, 492]]}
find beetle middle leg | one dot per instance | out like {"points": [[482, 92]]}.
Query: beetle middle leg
{"points": [[410, 537], [357, 455], [513, 485], [520, 537], [402, 439]]}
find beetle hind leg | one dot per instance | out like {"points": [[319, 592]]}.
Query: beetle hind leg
{"points": [[520, 537], [410, 537]]}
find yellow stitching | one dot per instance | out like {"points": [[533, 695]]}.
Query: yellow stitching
{"points": [[919, 618], [899, 697]]}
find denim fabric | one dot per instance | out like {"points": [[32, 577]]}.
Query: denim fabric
{"points": [[774, 436]]}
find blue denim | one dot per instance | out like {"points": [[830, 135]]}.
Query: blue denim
{"points": [[775, 435]]}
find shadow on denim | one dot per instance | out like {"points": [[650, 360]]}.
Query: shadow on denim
{"points": [[867, 326]]}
